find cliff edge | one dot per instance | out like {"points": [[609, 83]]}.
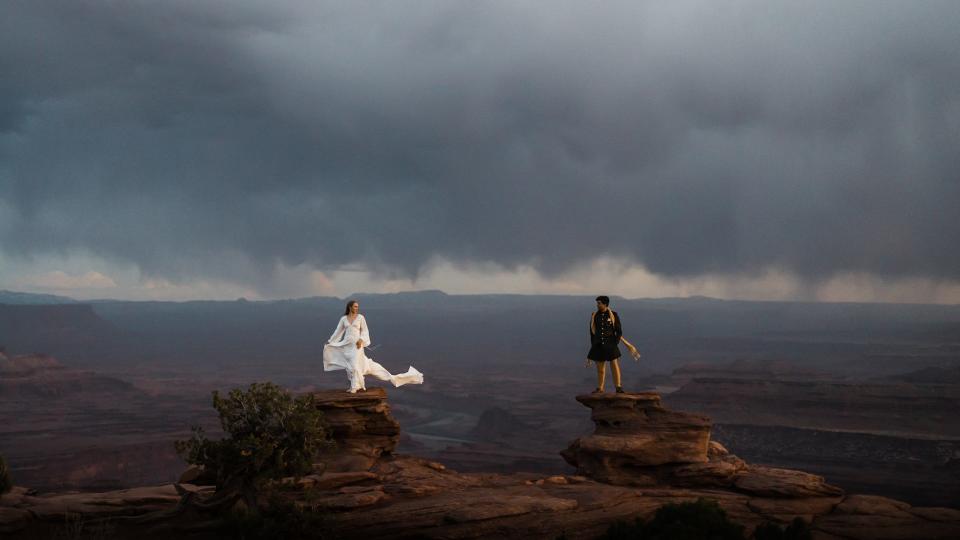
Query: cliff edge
{"points": [[639, 457]]}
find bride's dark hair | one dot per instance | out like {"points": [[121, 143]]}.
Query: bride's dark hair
{"points": [[349, 303]]}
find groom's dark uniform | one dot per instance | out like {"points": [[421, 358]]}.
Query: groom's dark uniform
{"points": [[605, 336]]}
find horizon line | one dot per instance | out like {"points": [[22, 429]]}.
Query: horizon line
{"points": [[444, 293]]}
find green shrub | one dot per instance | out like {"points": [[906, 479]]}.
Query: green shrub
{"points": [[77, 526], [270, 435], [279, 518], [6, 483], [796, 530], [700, 520]]}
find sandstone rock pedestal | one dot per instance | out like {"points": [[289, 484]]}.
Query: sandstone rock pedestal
{"points": [[634, 436], [361, 425], [638, 442]]}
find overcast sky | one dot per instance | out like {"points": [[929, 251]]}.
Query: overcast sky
{"points": [[186, 149]]}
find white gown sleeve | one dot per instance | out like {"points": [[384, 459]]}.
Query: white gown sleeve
{"points": [[337, 331], [364, 332]]}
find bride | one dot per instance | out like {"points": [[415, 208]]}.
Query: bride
{"points": [[345, 350]]}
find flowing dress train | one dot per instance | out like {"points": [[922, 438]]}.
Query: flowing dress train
{"points": [[341, 352]]}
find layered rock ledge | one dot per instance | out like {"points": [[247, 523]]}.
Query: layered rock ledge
{"points": [[639, 442], [646, 456], [361, 425], [635, 437]]}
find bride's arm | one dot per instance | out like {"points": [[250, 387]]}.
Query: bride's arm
{"points": [[364, 332], [337, 331]]}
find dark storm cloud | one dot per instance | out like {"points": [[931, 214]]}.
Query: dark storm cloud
{"points": [[193, 137]]}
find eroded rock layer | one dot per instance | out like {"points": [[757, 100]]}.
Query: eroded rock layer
{"points": [[639, 442], [634, 436], [361, 425]]}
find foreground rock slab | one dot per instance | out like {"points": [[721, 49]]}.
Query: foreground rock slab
{"points": [[425, 500], [409, 497]]}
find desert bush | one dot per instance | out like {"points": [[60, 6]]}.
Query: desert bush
{"points": [[279, 518], [796, 530], [700, 520], [76, 526], [269, 435], [6, 483]]}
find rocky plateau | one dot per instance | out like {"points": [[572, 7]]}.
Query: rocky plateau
{"points": [[639, 456]]}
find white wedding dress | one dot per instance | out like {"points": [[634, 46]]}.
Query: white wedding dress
{"points": [[341, 352]]}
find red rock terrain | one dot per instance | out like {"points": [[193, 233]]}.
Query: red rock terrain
{"points": [[65, 428], [923, 410], [898, 437], [640, 456]]}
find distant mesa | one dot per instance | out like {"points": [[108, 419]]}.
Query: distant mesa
{"points": [[931, 375], [405, 298], [22, 298], [65, 330], [28, 377], [748, 368], [427, 293], [701, 298], [26, 364], [814, 404]]}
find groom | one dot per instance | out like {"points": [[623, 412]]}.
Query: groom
{"points": [[606, 333]]}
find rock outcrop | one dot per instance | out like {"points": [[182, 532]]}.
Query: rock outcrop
{"points": [[639, 442], [635, 435], [361, 425]]}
